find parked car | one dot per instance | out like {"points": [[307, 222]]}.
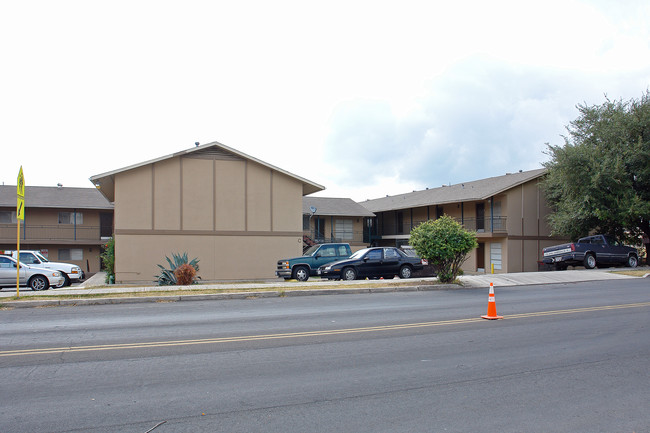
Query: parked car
{"points": [[35, 278], [71, 273], [591, 251], [372, 263], [301, 268]]}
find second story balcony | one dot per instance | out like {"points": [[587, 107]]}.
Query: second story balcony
{"points": [[312, 237], [48, 234], [495, 225]]}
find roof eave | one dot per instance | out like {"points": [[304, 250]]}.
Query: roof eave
{"points": [[105, 182]]}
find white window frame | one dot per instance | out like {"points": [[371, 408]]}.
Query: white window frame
{"points": [[71, 218], [12, 217], [344, 229], [74, 254]]}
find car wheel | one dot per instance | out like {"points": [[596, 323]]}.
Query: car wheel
{"points": [[39, 282], [301, 273], [632, 261], [66, 281], [349, 274], [405, 272], [590, 261]]}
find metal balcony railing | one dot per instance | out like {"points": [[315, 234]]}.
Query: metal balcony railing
{"points": [[480, 225], [49, 233], [311, 237]]}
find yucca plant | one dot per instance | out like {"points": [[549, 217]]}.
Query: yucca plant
{"points": [[167, 277]]}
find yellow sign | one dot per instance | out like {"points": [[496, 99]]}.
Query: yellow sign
{"points": [[21, 183], [20, 209]]}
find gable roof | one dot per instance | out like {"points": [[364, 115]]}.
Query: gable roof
{"points": [[55, 197], [326, 206], [463, 192], [106, 181]]}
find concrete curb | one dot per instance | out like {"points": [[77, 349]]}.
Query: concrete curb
{"points": [[222, 296], [466, 282]]}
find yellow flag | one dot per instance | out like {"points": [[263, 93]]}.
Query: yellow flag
{"points": [[21, 183]]}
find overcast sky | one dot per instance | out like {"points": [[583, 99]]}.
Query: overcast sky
{"points": [[367, 98]]}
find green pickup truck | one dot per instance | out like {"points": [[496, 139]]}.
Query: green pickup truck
{"points": [[301, 268]]}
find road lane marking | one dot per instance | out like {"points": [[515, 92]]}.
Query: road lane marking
{"points": [[245, 338]]}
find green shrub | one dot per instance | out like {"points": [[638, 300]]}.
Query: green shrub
{"points": [[108, 260], [167, 277], [445, 244]]}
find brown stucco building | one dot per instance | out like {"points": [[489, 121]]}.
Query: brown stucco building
{"points": [[65, 224], [331, 219], [509, 214], [233, 212]]}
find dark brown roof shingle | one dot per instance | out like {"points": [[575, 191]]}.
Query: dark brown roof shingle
{"points": [[55, 197], [463, 192]]}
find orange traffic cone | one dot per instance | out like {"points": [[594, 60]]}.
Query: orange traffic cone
{"points": [[492, 306]]}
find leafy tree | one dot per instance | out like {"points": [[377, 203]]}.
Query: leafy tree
{"points": [[599, 180], [445, 244]]}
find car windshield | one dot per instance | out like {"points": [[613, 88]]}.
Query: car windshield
{"points": [[40, 256], [311, 250], [359, 253]]}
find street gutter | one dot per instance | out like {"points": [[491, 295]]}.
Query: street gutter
{"points": [[280, 293]]}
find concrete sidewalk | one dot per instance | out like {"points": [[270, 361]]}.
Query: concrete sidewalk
{"points": [[277, 287], [551, 277]]}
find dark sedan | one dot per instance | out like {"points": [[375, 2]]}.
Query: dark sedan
{"points": [[372, 263]]}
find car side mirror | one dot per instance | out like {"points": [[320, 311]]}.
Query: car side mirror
{"points": [[317, 255], [365, 259]]}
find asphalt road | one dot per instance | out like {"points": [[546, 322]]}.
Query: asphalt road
{"points": [[570, 357]]}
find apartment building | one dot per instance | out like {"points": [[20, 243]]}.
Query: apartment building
{"points": [[65, 224], [508, 213], [326, 219], [235, 213]]}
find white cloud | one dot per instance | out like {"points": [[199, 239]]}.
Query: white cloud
{"points": [[364, 97]]}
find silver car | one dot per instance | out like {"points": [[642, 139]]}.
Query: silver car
{"points": [[35, 278]]}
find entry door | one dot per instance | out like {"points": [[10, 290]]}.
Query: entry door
{"points": [[105, 225], [480, 217], [319, 229], [480, 256]]}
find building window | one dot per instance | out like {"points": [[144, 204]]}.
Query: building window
{"points": [[76, 218], [7, 217], [343, 229], [71, 254], [498, 222], [305, 222]]}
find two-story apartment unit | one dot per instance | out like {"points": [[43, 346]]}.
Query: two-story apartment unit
{"points": [[326, 219], [233, 212], [65, 224], [508, 213]]}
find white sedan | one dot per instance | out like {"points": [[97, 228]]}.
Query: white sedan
{"points": [[35, 278]]}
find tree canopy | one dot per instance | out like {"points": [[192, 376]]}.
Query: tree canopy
{"points": [[445, 244], [599, 180]]}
